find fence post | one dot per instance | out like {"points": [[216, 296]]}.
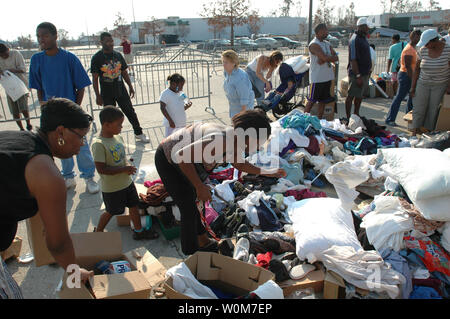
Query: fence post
{"points": [[209, 107]]}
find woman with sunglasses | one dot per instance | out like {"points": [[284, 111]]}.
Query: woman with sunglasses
{"points": [[31, 182]]}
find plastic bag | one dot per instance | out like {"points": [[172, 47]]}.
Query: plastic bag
{"points": [[440, 141], [14, 87]]}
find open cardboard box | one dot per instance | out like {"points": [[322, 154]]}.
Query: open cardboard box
{"points": [[36, 236], [314, 279], [229, 275], [90, 248]]}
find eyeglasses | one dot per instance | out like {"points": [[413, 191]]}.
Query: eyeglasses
{"points": [[82, 138]]}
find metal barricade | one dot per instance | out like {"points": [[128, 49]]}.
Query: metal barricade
{"points": [[150, 79]]}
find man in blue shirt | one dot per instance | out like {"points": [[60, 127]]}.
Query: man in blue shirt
{"points": [[395, 52], [54, 73], [359, 66]]}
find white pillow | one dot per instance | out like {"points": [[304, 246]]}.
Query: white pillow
{"points": [[423, 173], [320, 223]]}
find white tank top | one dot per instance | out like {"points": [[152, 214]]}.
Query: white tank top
{"points": [[320, 73], [252, 65]]}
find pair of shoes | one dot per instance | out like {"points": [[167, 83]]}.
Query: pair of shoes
{"points": [[142, 138], [298, 270], [92, 186], [71, 182], [29, 127], [226, 247], [241, 251], [242, 232], [145, 234], [391, 123], [279, 269]]}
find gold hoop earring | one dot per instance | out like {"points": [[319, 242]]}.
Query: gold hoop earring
{"points": [[61, 141]]}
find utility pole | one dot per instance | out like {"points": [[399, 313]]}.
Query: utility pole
{"points": [[134, 19], [310, 21]]}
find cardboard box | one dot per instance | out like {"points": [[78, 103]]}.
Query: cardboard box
{"points": [[390, 89], [328, 113], [314, 279], [334, 286], [443, 121], [13, 250], [90, 248], [225, 273], [446, 101], [36, 236], [344, 87]]}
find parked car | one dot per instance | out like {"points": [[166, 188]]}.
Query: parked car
{"points": [[245, 44], [336, 34], [333, 41], [286, 42], [214, 44], [267, 43]]}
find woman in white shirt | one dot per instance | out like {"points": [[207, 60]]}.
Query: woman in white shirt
{"points": [[173, 106], [260, 71]]}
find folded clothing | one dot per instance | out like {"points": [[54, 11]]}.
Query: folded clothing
{"points": [[156, 194], [151, 183]]}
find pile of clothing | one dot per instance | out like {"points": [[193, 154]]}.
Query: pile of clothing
{"points": [[403, 235]]}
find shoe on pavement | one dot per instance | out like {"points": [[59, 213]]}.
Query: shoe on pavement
{"points": [[71, 182], [142, 138], [145, 234], [92, 186], [393, 124]]}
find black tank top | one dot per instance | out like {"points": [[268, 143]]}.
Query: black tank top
{"points": [[16, 149]]}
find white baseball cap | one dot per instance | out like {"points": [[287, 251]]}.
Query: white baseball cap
{"points": [[362, 21], [426, 36]]}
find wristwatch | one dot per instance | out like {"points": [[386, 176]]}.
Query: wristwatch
{"points": [[358, 76]]}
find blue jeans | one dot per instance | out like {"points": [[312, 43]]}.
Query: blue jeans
{"points": [[85, 163], [403, 89], [258, 85]]}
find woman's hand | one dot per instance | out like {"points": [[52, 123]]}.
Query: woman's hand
{"points": [[412, 93], [203, 193], [130, 170], [280, 173]]}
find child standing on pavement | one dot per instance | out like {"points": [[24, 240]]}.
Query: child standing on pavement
{"points": [[118, 189], [174, 104]]}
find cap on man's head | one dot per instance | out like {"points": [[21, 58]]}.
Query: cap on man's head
{"points": [[427, 36], [362, 21]]}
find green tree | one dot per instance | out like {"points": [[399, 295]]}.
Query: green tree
{"points": [[229, 13], [286, 8], [63, 38], [153, 27], [121, 27]]}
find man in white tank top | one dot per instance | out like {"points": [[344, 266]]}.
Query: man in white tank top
{"points": [[321, 71]]}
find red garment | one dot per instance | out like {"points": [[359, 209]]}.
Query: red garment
{"points": [[225, 175], [432, 255], [126, 47], [313, 147], [264, 259], [150, 184], [304, 194]]}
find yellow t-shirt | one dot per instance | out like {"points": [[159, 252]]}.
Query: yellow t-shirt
{"points": [[111, 151], [408, 50]]}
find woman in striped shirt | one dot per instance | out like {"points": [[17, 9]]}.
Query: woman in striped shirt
{"points": [[431, 80]]}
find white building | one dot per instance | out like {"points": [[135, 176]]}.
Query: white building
{"points": [[416, 19], [197, 29]]}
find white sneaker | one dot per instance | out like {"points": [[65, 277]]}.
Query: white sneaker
{"points": [[142, 138], [92, 186], [71, 182]]}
